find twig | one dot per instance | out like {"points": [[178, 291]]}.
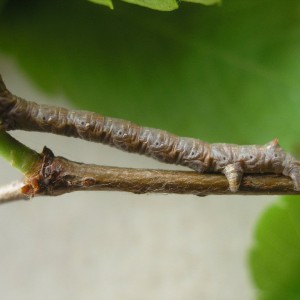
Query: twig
{"points": [[50, 175], [232, 160], [59, 175], [12, 192]]}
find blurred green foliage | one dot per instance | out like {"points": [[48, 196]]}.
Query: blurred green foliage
{"points": [[275, 258], [2, 2], [224, 73]]}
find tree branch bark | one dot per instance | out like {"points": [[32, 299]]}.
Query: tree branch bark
{"points": [[50, 175], [12, 192], [59, 175]]}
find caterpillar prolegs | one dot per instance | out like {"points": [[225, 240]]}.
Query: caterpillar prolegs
{"points": [[230, 159]]}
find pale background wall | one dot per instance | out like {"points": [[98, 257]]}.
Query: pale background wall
{"points": [[112, 245]]}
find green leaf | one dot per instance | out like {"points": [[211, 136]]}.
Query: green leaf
{"points": [[104, 2], [164, 5], [225, 73], [275, 257], [205, 2]]}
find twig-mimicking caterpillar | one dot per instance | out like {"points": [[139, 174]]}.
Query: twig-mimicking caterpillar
{"points": [[229, 159]]}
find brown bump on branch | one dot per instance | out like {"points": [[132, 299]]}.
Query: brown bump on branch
{"points": [[38, 179]]}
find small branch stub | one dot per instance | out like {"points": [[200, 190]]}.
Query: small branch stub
{"points": [[39, 180]]}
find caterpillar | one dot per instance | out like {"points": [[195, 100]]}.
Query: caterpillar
{"points": [[230, 159]]}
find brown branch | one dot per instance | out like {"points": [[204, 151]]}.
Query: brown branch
{"points": [[17, 113], [59, 175], [12, 192]]}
